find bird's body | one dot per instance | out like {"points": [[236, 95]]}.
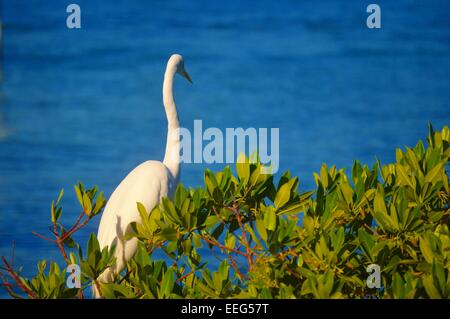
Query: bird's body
{"points": [[147, 184]]}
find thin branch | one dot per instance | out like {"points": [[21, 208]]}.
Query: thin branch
{"points": [[59, 243], [17, 279], [126, 275], [97, 285], [244, 236], [6, 284], [217, 244], [80, 217], [69, 233], [372, 230], [235, 267], [185, 276], [43, 237]]}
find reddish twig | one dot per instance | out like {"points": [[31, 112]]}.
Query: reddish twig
{"points": [[73, 230], [6, 284], [217, 244], [372, 230], [235, 267], [126, 275], [80, 217], [59, 243], [44, 238], [17, 279], [249, 251], [97, 285], [185, 276]]}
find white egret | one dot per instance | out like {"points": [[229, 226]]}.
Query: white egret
{"points": [[147, 184]]}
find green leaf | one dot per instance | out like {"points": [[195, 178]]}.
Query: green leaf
{"points": [[270, 218], [170, 211], [260, 226], [210, 181], [87, 205], [243, 167], [230, 242], [324, 175], [61, 193], [379, 203], [426, 250], [167, 283], [403, 175], [283, 195], [434, 172], [115, 291], [168, 233], [367, 242], [52, 209], [79, 194], [384, 221], [99, 203], [439, 274], [142, 211], [93, 244], [224, 269], [430, 288], [196, 240]]}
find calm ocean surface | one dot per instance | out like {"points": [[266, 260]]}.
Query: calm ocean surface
{"points": [[86, 104]]}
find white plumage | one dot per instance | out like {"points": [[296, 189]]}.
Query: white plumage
{"points": [[147, 184]]}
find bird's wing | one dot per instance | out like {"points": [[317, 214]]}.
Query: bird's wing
{"points": [[146, 184]]}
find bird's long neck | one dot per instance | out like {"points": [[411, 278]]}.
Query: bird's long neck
{"points": [[172, 156]]}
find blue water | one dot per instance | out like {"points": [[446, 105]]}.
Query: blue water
{"points": [[86, 104]]}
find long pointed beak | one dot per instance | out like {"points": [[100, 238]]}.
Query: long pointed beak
{"points": [[186, 75]]}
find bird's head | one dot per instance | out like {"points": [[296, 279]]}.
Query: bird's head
{"points": [[178, 62]]}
